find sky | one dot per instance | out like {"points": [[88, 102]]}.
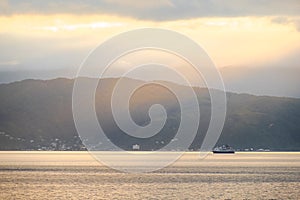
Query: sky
{"points": [[46, 39]]}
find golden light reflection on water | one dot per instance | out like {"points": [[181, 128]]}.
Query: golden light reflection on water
{"points": [[77, 175]]}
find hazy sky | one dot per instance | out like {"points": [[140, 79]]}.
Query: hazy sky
{"points": [[57, 35]]}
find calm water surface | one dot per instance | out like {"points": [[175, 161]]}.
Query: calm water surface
{"points": [[76, 175]]}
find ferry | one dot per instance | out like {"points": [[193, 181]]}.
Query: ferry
{"points": [[224, 149]]}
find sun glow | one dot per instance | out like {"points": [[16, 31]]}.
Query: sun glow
{"points": [[229, 41]]}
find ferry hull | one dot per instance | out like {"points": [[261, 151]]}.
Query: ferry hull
{"points": [[224, 152]]}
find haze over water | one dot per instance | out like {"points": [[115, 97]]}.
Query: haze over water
{"points": [[76, 175]]}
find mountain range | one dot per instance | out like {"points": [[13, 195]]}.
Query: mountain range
{"points": [[37, 115]]}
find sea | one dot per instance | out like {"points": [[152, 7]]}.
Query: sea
{"points": [[78, 175]]}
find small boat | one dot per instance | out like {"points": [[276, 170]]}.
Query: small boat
{"points": [[223, 149]]}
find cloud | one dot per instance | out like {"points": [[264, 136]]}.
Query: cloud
{"points": [[280, 20], [278, 77], [9, 63], [140, 4], [295, 23], [286, 21], [38, 53], [155, 10], [81, 26], [4, 7]]}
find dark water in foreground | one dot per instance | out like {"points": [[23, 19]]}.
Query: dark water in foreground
{"points": [[76, 175]]}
